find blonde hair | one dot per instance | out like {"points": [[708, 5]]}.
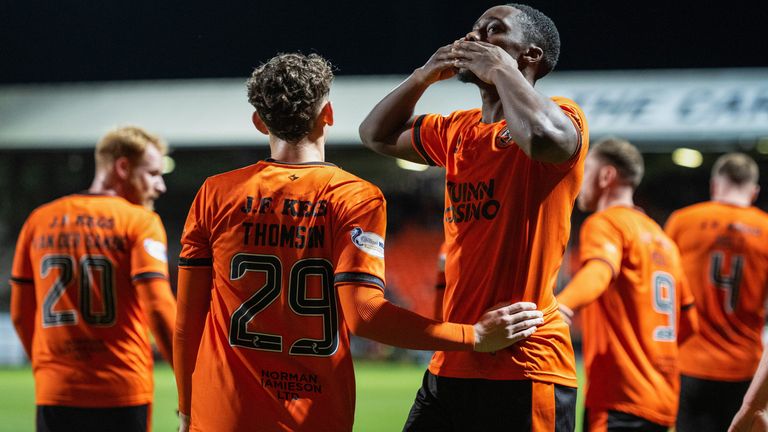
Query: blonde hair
{"points": [[126, 141], [738, 168]]}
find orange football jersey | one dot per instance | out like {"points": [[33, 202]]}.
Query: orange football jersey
{"points": [[80, 254], [507, 222], [725, 256], [274, 353], [630, 331]]}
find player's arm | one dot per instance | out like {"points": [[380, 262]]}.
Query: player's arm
{"points": [[539, 127], [437, 311], [158, 304], [193, 297], [369, 315], [387, 128], [752, 414], [23, 307], [589, 283], [689, 317]]}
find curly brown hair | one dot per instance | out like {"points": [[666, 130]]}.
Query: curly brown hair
{"points": [[287, 92]]}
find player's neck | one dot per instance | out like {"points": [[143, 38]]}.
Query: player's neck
{"points": [[621, 196], [306, 150], [103, 185], [493, 109], [733, 199]]}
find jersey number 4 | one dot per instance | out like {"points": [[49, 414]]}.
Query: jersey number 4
{"points": [[727, 282], [299, 302], [90, 267]]}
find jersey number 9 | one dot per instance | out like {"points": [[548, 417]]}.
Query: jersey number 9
{"points": [[664, 303]]}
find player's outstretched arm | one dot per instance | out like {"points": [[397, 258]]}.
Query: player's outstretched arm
{"points": [[23, 306], [369, 315], [587, 285], [159, 306], [752, 414], [536, 123], [387, 128], [193, 298]]}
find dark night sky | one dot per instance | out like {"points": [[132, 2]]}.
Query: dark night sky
{"points": [[75, 40]]}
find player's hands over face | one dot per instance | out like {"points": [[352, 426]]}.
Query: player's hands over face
{"points": [[503, 326], [481, 58], [749, 421], [440, 66]]}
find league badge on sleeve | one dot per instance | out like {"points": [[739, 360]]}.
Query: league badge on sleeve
{"points": [[368, 242], [156, 250]]}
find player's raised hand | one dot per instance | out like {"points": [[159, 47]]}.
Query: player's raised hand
{"points": [[440, 66], [503, 326], [481, 58]]}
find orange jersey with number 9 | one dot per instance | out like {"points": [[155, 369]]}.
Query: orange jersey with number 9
{"points": [[630, 331]]}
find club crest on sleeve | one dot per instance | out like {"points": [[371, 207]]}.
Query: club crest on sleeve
{"points": [[504, 139], [368, 242], [156, 250]]}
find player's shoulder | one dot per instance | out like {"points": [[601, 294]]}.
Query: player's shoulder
{"points": [[227, 179], [694, 210], [758, 214], [461, 118], [348, 184], [624, 219]]}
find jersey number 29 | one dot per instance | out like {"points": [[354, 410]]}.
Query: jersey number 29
{"points": [[299, 302]]}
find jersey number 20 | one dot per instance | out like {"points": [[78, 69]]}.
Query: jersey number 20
{"points": [[300, 304], [85, 272]]}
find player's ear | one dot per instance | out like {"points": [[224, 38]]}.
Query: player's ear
{"points": [[755, 193], [122, 167], [531, 56], [326, 113], [607, 175], [259, 123]]}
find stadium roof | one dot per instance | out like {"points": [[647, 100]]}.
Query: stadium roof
{"points": [[705, 107]]}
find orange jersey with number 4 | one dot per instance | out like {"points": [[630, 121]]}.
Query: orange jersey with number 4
{"points": [[630, 331], [274, 353], [725, 256], [80, 254], [507, 222]]}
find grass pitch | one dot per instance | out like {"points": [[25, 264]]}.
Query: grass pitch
{"points": [[385, 392]]}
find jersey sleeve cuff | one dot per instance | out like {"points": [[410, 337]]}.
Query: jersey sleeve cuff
{"points": [[416, 141], [195, 262], [360, 278], [149, 275], [19, 280]]}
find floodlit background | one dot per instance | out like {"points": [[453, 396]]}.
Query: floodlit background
{"points": [[683, 81]]}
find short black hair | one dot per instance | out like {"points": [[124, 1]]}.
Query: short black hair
{"points": [[287, 91], [542, 32]]}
